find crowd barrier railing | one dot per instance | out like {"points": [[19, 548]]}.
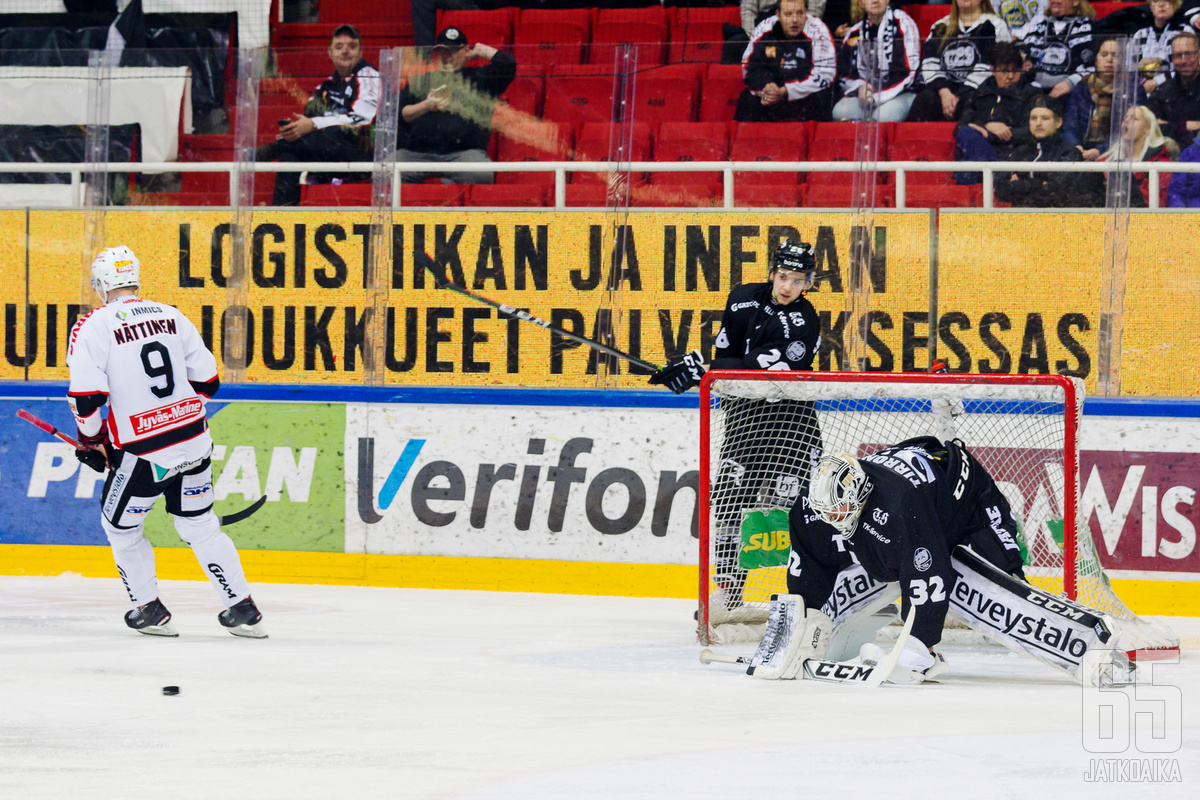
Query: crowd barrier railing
{"points": [[988, 169]]}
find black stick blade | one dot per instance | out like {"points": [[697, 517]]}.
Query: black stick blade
{"points": [[238, 516]]}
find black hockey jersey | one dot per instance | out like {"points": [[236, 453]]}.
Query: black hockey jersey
{"points": [[964, 61], [350, 101], [1061, 49], [757, 333], [928, 498]]}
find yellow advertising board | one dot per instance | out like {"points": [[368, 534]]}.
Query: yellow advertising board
{"points": [[1017, 292]]}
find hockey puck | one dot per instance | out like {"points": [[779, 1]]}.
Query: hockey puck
{"points": [[171, 690]]}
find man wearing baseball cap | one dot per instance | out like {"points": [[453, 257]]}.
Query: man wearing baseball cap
{"points": [[446, 113]]}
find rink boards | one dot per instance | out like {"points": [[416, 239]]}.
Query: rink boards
{"points": [[566, 491]]}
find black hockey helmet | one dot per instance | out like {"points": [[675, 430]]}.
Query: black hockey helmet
{"points": [[794, 255]]}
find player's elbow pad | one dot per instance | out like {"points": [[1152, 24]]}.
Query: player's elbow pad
{"points": [[206, 388], [84, 405]]}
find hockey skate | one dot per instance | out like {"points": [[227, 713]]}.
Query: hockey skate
{"points": [[243, 619], [914, 666], [152, 619]]}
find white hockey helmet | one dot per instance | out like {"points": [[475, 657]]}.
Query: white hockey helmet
{"points": [[115, 268], [837, 491]]}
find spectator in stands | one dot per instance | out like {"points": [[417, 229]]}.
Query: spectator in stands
{"points": [[1184, 190], [1021, 15], [878, 76], [1141, 140], [1176, 103], [336, 122], [957, 59], [1047, 189], [424, 17], [1152, 45], [446, 114], [1059, 46], [789, 68], [995, 117], [1089, 105]]}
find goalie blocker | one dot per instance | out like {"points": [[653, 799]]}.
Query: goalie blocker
{"points": [[1067, 636]]}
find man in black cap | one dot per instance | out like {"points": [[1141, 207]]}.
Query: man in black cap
{"points": [[446, 114], [336, 121]]}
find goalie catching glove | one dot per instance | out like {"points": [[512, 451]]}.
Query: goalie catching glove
{"points": [[681, 373]]}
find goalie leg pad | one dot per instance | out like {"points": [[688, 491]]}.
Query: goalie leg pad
{"points": [[859, 607], [794, 634], [1066, 635]]}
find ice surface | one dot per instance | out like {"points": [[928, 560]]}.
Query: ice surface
{"points": [[392, 693]]}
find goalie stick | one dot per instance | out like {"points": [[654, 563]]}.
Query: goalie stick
{"points": [[227, 519], [442, 282], [835, 671]]}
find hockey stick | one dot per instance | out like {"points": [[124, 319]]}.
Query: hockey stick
{"points": [[227, 519], [50, 429], [442, 282], [884, 668]]}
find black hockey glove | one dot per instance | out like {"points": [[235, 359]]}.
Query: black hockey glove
{"points": [[96, 451], [681, 373]]}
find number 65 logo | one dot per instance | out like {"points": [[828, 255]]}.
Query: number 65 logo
{"points": [[1154, 714]]}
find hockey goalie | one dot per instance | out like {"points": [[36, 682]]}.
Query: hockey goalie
{"points": [[921, 521]]}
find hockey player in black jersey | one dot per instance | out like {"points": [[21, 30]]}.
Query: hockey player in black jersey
{"points": [[925, 517], [765, 326]]}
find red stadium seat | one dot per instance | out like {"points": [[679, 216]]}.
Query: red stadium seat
{"points": [[586, 194], [718, 101], [651, 16], [594, 143], [328, 194], [1104, 9], [690, 141], [362, 12], [695, 42], [549, 43], [489, 27], [685, 15], [766, 150], [690, 195], [842, 196], [578, 99], [607, 37], [766, 195], [928, 196], [432, 194], [798, 132], [540, 141], [507, 195], [582, 18], [920, 150], [525, 95], [926, 15], [665, 99], [923, 131]]}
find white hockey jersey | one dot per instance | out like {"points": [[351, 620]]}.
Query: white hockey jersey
{"points": [[148, 361]]}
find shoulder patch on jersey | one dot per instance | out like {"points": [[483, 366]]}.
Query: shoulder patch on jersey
{"points": [[796, 351], [922, 559]]}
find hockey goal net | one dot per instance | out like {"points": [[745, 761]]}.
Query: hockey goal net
{"points": [[761, 431]]}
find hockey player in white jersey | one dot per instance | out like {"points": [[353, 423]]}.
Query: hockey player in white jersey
{"points": [[147, 363]]}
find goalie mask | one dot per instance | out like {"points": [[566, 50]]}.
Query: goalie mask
{"points": [[837, 492], [115, 268]]}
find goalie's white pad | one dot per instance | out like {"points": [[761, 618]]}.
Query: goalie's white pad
{"points": [[1066, 635], [794, 633], [859, 608]]}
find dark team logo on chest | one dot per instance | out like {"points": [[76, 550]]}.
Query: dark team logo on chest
{"points": [[960, 57]]}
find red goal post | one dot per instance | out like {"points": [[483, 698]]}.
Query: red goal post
{"points": [[761, 430]]}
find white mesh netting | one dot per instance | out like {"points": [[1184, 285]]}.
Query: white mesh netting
{"points": [[764, 432]]}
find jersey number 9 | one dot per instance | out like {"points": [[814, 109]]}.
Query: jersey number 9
{"points": [[162, 370]]}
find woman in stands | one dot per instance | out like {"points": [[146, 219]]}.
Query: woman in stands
{"points": [[995, 116], [878, 63], [1142, 140], [1046, 189], [957, 59], [1089, 105], [1152, 44], [1059, 46]]}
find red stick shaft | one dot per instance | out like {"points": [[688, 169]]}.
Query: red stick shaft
{"points": [[48, 428]]}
